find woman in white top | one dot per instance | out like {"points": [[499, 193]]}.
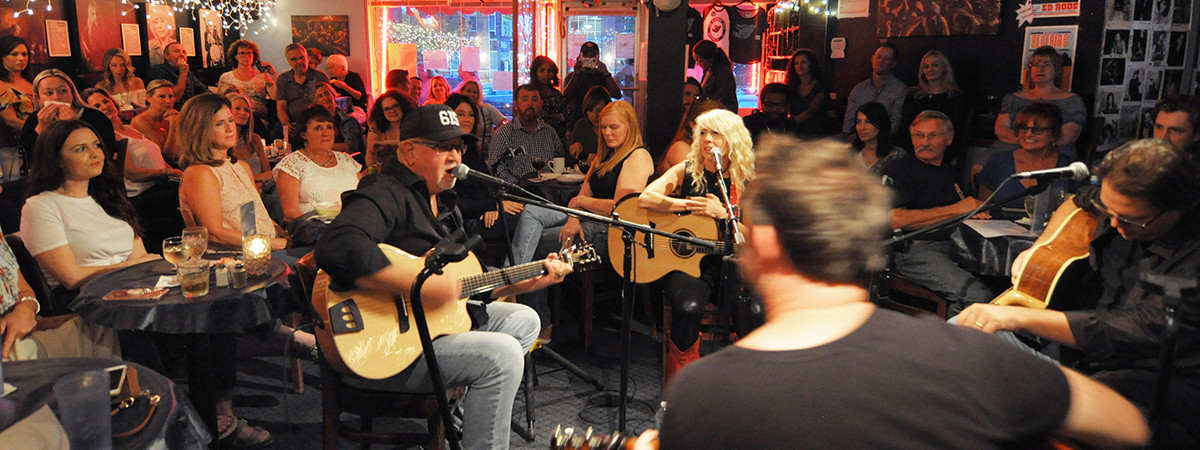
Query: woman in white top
{"points": [[144, 163], [315, 173], [127, 90], [157, 122], [78, 224]]}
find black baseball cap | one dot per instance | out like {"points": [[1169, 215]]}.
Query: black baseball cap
{"points": [[435, 122], [589, 48]]}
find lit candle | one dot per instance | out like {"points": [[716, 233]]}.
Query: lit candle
{"points": [[256, 251]]}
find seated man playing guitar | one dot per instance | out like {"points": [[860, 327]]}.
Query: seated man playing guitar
{"points": [[1147, 203], [410, 205]]}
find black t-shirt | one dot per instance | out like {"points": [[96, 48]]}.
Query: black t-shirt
{"points": [[917, 185], [896, 382]]}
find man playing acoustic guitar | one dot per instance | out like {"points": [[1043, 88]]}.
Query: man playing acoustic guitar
{"points": [[1147, 203], [410, 205]]}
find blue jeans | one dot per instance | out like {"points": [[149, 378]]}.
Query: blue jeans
{"points": [[489, 361], [928, 264], [537, 235]]}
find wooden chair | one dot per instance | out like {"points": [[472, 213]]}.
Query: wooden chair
{"points": [[337, 397], [715, 324], [590, 279], [33, 274], [905, 296]]}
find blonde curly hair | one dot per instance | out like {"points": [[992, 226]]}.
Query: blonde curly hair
{"points": [[737, 138]]}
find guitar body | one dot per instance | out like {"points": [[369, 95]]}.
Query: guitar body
{"points": [[665, 255], [366, 335], [1050, 260]]}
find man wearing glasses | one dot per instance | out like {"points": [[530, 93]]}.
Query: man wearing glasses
{"points": [[410, 205], [1147, 203], [926, 191]]}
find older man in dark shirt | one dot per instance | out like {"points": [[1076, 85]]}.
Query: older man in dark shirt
{"points": [[411, 205], [1147, 202], [294, 88], [176, 70]]}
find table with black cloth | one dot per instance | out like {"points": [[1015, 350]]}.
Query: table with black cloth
{"points": [[993, 255], [222, 310], [173, 424], [557, 192]]}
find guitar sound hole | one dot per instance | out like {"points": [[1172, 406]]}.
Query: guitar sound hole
{"points": [[680, 248]]}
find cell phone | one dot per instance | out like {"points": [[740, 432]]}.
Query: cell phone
{"points": [[258, 65], [116, 379], [589, 62]]}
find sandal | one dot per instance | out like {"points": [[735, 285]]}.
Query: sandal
{"points": [[242, 434]]}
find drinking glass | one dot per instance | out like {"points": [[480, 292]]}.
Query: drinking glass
{"points": [[196, 239], [538, 162], [193, 277], [84, 404], [175, 251]]}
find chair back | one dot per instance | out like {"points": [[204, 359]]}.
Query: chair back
{"points": [[31, 270]]}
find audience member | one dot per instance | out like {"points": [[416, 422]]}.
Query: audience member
{"points": [[1038, 127], [349, 138], [936, 90], [157, 122], [1146, 203], [383, 126], [126, 89], [57, 99], [397, 79], [313, 175], [589, 71], [16, 93], [866, 377], [772, 113], [176, 70], [926, 192], [556, 109], [622, 166], [718, 81], [516, 144], [808, 92], [586, 134], [873, 138], [692, 91], [295, 87], [682, 145], [346, 82], [1042, 77], [480, 210], [414, 86], [253, 76], [405, 206], [314, 58], [882, 87], [439, 88], [250, 147], [1177, 119], [691, 187], [147, 176], [492, 117]]}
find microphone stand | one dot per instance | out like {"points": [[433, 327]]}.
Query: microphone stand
{"points": [[628, 286], [1179, 294], [738, 239]]}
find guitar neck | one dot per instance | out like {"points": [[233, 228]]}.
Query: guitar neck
{"points": [[487, 281]]}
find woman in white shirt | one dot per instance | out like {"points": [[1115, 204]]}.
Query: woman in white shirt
{"points": [[78, 224], [315, 173]]}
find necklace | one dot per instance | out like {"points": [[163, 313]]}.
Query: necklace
{"points": [[329, 161]]}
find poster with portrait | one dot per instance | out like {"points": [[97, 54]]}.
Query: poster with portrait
{"points": [[100, 24], [30, 27], [160, 24], [212, 41], [905, 18], [329, 34], [1177, 48], [1116, 42], [1062, 38], [1118, 12]]}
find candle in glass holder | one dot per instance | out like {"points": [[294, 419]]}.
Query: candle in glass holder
{"points": [[256, 252]]}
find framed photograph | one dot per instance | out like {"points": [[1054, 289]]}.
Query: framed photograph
{"points": [[901, 18], [131, 39], [212, 38], [329, 34], [160, 24], [187, 37], [58, 40], [98, 30]]}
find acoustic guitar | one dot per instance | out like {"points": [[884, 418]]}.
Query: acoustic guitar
{"points": [[1049, 261], [655, 256], [367, 336]]}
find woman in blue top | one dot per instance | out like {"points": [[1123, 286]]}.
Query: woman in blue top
{"points": [[1039, 129]]}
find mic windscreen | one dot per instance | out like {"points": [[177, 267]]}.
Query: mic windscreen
{"points": [[1079, 171], [461, 171], [716, 152]]}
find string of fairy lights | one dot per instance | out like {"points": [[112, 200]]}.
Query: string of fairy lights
{"points": [[234, 13], [430, 39], [812, 6]]}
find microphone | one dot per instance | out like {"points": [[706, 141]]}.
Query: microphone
{"points": [[1076, 171], [462, 172], [716, 154]]}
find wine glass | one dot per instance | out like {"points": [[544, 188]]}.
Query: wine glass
{"points": [[538, 162], [175, 251], [196, 239]]}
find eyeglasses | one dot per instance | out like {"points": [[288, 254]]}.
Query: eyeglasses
{"points": [[393, 108], [1034, 130], [443, 147], [1129, 223], [245, 53], [923, 136]]}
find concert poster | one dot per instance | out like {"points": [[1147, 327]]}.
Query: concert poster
{"points": [[906, 18]]}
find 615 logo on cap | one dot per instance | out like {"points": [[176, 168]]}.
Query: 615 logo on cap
{"points": [[448, 118]]}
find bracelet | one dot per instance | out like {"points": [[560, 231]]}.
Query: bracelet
{"points": [[30, 298]]}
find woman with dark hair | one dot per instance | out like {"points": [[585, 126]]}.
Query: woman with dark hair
{"points": [[126, 89], [255, 78], [873, 138], [57, 99], [1039, 127], [692, 91], [77, 222], [479, 209], [682, 145], [316, 173], [718, 79], [16, 99], [492, 117], [586, 134], [1042, 79], [383, 126], [809, 93], [556, 109]]}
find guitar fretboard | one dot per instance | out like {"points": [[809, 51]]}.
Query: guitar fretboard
{"points": [[487, 281]]}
